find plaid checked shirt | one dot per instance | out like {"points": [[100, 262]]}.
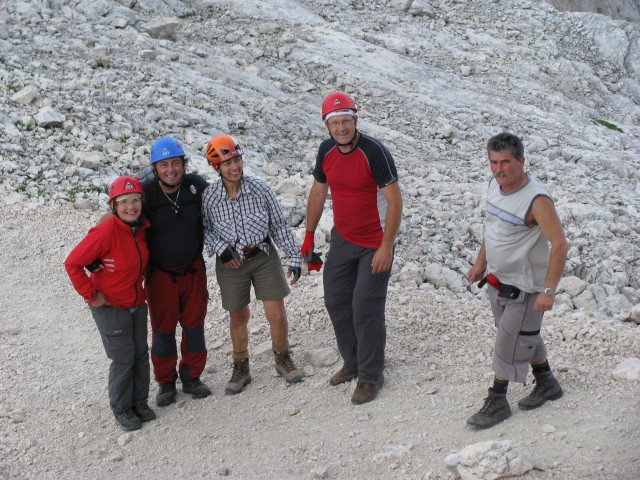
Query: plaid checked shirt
{"points": [[247, 220]]}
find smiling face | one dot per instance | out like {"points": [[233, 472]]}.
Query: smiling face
{"points": [[342, 128], [507, 170], [170, 171], [128, 207], [231, 169]]}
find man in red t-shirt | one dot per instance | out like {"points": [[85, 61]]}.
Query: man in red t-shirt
{"points": [[367, 209]]}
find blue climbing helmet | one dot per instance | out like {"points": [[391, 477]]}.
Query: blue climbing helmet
{"points": [[164, 148]]}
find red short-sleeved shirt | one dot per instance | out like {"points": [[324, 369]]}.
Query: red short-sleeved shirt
{"points": [[355, 179]]}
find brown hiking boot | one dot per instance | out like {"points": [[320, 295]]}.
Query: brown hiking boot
{"points": [[239, 377], [495, 410], [286, 367], [547, 388], [343, 375], [365, 392]]}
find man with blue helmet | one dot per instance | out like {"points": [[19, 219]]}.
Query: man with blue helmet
{"points": [[176, 279]]}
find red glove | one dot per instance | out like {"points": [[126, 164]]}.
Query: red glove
{"points": [[307, 246], [315, 263]]}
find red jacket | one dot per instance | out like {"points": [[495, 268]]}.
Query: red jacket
{"points": [[124, 257]]}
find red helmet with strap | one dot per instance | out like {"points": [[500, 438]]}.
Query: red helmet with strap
{"points": [[337, 101], [125, 185]]}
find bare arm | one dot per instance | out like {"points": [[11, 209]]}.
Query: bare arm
{"points": [[544, 214], [315, 204], [480, 267], [383, 258]]}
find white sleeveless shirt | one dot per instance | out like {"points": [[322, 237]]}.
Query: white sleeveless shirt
{"points": [[516, 253]]}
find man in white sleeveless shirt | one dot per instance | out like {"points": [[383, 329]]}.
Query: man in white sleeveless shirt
{"points": [[522, 273]]}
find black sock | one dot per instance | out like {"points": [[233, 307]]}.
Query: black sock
{"points": [[541, 368], [500, 386]]}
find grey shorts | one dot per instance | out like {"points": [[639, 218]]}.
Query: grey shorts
{"points": [[263, 271], [518, 339]]}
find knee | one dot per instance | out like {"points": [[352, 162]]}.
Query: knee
{"points": [[195, 339], [239, 319], [164, 344], [124, 359], [332, 300], [278, 320]]}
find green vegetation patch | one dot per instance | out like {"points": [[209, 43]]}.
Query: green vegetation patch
{"points": [[610, 126]]}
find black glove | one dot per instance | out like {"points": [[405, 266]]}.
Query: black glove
{"points": [[296, 271], [94, 266], [315, 263], [228, 255]]}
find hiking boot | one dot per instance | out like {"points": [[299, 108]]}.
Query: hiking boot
{"points": [[365, 392], [343, 375], [547, 388], [144, 412], [128, 420], [239, 377], [286, 367], [495, 410], [166, 394], [196, 388]]}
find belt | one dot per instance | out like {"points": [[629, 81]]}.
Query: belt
{"points": [[504, 290], [249, 252], [176, 271]]}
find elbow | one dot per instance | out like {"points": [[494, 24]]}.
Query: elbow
{"points": [[562, 248]]}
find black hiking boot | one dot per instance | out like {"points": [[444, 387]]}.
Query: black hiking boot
{"points": [[547, 388], [166, 394], [495, 410], [144, 412], [196, 388], [128, 420]]}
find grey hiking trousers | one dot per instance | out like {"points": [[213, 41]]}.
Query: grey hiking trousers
{"points": [[518, 337], [124, 336], [355, 299]]}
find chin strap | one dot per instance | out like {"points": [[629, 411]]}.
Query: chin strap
{"points": [[166, 184], [135, 225], [350, 141]]}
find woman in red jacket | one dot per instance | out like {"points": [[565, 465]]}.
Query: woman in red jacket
{"points": [[116, 251]]}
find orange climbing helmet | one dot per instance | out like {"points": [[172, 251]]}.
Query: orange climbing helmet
{"points": [[222, 148]]}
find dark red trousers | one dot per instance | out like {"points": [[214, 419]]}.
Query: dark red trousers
{"points": [[178, 298]]}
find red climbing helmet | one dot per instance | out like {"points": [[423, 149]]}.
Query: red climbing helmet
{"points": [[337, 101], [125, 185]]}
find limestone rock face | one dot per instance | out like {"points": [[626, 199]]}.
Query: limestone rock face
{"points": [[628, 10]]}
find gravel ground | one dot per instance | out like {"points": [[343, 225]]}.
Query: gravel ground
{"points": [[55, 421]]}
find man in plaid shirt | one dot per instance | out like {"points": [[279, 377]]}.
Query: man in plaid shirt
{"points": [[242, 220]]}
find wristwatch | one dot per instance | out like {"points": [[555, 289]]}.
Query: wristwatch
{"points": [[548, 291]]}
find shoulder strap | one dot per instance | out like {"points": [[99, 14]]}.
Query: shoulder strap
{"points": [[151, 200], [190, 181]]}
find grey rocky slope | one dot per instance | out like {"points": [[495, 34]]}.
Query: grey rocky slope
{"points": [[88, 85], [618, 9], [87, 88]]}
